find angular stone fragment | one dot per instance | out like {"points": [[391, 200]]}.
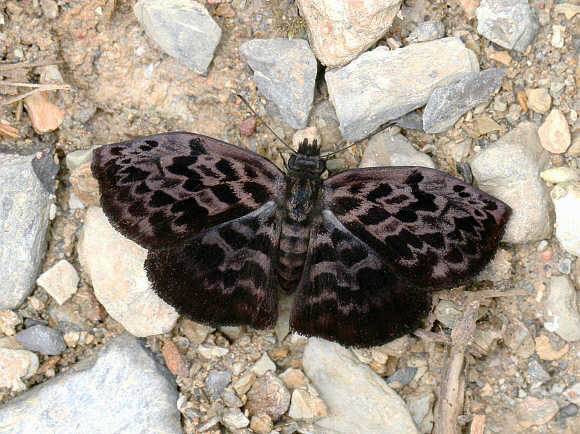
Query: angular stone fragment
{"points": [[383, 84]]}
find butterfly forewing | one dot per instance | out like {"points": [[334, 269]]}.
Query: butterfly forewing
{"points": [[433, 229], [163, 189], [225, 275]]}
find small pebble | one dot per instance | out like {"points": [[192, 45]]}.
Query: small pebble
{"points": [[555, 133], [546, 255], [45, 115], [216, 382], [539, 100], [8, 321], [45, 340], [557, 175], [60, 281], [261, 424], [248, 126], [558, 37], [534, 411], [542, 245], [546, 351], [176, 362], [565, 266]]}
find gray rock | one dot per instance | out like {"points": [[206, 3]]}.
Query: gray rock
{"points": [[384, 84], [216, 382], [572, 394], [421, 408], [233, 418], [448, 103], [518, 338], [536, 375], [402, 376], [341, 30], [284, 71], [447, 311], [561, 311], [566, 198], [388, 148], [509, 169], [119, 389], [351, 389], [183, 29], [569, 410], [45, 340], [509, 23], [230, 398], [410, 121], [75, 159], [119, 279], [26, 195], [427, 31], [323, 117], [565, 264]]}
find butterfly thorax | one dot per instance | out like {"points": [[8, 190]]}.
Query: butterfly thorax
{"points": [[300, 204]]}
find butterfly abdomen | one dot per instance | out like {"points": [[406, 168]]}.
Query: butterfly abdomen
{"points": [[300, 204], [292, 252]]}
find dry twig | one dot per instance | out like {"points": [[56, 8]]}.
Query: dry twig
{"points": [[451, 394], [38, 87]]}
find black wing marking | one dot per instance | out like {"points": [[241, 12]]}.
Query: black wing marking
{"points": [[348, 294], [434, 229], [161, 190], [224, 275]]}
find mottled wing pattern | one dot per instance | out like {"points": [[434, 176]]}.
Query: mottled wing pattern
{"points": [[350, 295], [223, 276], [433, 229], [161, 190]]}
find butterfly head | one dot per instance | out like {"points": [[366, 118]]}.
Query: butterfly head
{"points": [[307, 159]]}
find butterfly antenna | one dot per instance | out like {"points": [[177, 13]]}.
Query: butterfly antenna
{"points": [[383, 127], [267, 126]]}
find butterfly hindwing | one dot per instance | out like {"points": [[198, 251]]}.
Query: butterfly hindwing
{"points": [[161, 190], [350, 295], [433, 229], [224, 276]]}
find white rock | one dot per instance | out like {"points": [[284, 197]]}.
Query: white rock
{"points": [[566, 198], [60, 281], [263, 365], [351, 389], [8, 321], [340, 30], [388, 148], [16, 365], [561, 313], [557, 175], [306, 406], [421, 408], [115, 266], [211, 351]]}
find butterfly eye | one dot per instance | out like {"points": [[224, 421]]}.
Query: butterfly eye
{"points": [[321, 166], [292, 162]]}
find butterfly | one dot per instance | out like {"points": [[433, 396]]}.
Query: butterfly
{"points": [[228, 232]]}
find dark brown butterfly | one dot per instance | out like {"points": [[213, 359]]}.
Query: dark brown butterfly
{"points": [[228, 231]]}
